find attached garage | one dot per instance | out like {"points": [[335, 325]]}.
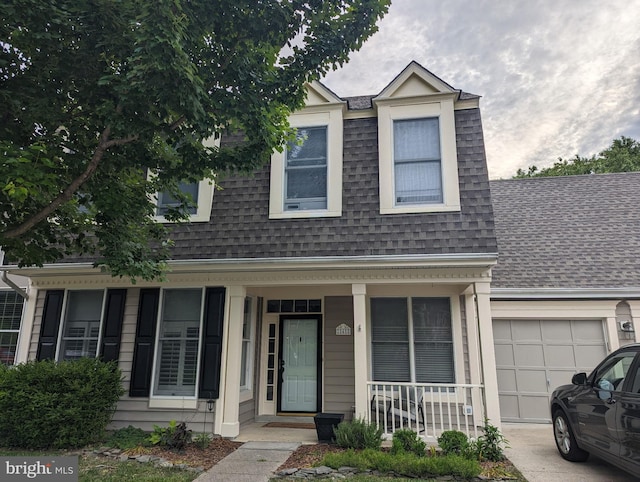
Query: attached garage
{"points": [[533, 356]]}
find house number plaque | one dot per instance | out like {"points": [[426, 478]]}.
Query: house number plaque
{"points": [[343, 330]]}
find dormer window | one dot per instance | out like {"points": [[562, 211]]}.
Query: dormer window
{"points": [[306, 170], [306, 177], [200, 195], [417, 161], [166, 201]]}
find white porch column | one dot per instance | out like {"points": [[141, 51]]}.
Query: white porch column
{"points": [[473, 346], [360, 352], [233, 355], [485, 332]]}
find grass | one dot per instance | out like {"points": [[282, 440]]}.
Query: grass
{"points": [[103, 469]]}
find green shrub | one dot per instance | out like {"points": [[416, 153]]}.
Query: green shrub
{"points": [[202, 440], [358, 434], [407, 441], [174, 437], [44, 404], [405, 464], [127, 438], [490, 445], [453, 442]]}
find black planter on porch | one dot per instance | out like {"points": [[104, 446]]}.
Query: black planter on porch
{"points": [[325, 423]]}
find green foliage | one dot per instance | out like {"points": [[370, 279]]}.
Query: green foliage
{"points": [[406, 464], [358, 434], [202, 440], [127, 438], [622, 156], [174, 437], [94, 96], [490, 446], [44, 404], [453, 442], [407, 441]]}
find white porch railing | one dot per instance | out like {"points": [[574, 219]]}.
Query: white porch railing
{"points": [[427, 409]]}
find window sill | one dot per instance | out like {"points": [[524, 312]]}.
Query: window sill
{"points": [[305, 214], [186, 403], [420, 208], [246, 395]]}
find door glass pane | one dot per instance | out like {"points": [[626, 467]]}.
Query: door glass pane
{"points": [[611, 375]]}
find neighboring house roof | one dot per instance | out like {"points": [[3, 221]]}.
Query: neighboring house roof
{"points": [[571, 232]]}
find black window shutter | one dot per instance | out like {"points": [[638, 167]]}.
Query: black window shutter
{"points": [[49, 328], [212, 343], [140, 385], [112, 328]]}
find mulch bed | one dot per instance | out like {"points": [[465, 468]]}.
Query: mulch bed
{"points": [[193, 455]]}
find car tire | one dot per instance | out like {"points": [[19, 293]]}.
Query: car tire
{"points": [[566, 440]]}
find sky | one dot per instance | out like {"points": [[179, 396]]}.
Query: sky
{"points": [[557, 77]]}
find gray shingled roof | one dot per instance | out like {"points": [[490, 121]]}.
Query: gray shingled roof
{"points": [[568, 232]]}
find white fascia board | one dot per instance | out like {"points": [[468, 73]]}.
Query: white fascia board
{"points": [[482, 260], [564, 293]]}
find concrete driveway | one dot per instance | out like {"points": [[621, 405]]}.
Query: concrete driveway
{"points": [[533, 451]]}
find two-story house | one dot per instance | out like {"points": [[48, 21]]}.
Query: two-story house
{"points": [[351, 275]]}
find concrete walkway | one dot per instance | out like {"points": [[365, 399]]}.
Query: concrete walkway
{"points": [[533, 451], [252, 462]]}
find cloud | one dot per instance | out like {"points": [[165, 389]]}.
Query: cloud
{"points": [[557, 78]]}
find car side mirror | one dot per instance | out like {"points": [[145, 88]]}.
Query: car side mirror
{"points": [[579, 379]]}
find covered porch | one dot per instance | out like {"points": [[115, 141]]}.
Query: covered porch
{"points": [[348, 354]]}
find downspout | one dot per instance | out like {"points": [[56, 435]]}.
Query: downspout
{"points": [[14, 286], [10, 283]]}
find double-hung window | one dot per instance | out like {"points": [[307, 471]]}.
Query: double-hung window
{"points": [[306, 170], [10, 316], [81, 325], [417, 161], [178, 343], [412, 340]]}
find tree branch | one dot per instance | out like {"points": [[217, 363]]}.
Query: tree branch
{"points": [[103, 145]]}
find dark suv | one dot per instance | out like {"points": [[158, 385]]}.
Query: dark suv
{"points": [[600, 413]]}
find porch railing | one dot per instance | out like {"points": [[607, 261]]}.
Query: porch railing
{"points": [[427, 409]]}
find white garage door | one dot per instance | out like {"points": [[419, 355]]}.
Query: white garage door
{"points": [[533, 357]]}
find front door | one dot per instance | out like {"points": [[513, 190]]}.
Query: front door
{"points": [[299, 372]]}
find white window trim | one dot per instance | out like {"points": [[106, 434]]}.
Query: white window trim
{"points": [[332, 119], [206, 188], [246, 391], [178, 401], [63, 321], [442, 109]]}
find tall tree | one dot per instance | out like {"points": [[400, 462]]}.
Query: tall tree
{"points": [[97, 94], [622, 156]]}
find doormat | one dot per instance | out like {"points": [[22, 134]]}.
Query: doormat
{"points": [[290, 425]]}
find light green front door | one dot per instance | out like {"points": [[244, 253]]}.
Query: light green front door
{"points": [[299, 365]]}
